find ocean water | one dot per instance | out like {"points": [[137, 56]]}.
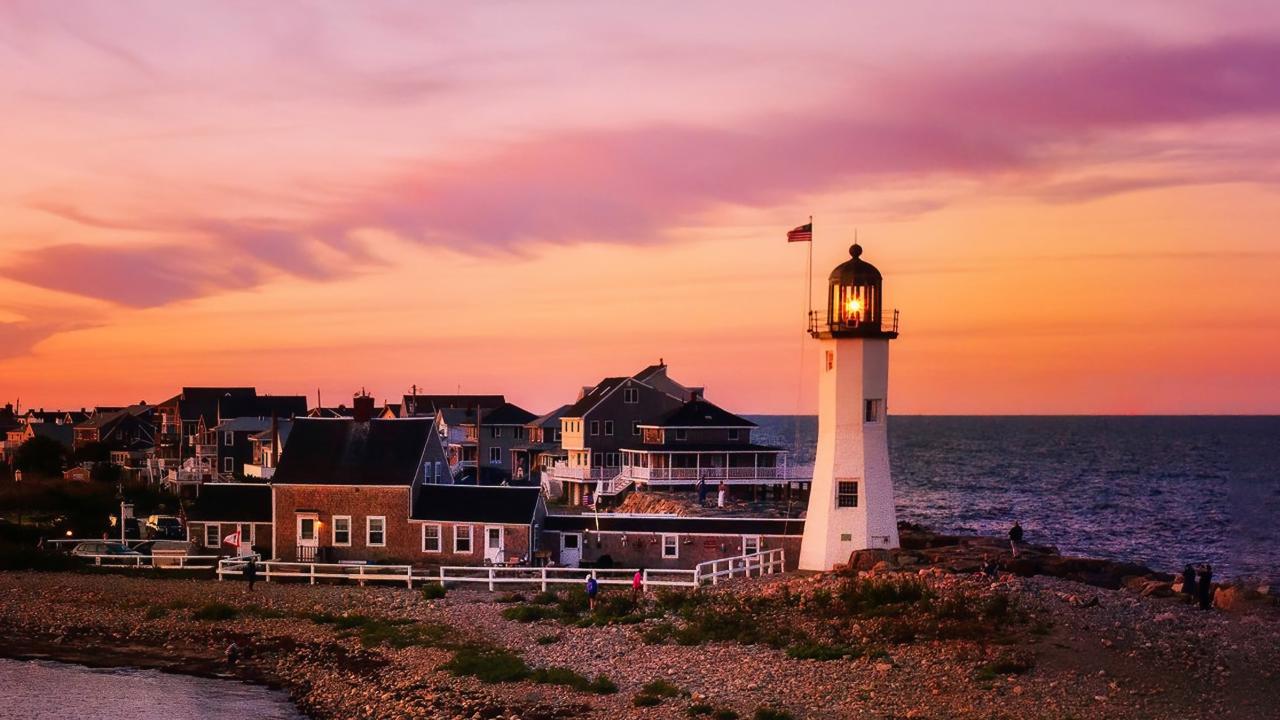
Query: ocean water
{"points": [[1163, 491], [40, 690]]}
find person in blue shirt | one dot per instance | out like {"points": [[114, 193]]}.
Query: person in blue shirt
{"points": [[593, 588]]}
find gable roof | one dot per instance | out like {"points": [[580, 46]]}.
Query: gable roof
{"points": [[551, 419], [593, 397], [283, 426], [507, 414], [232, 502], [478, 504], [341, 451], [196, 403], [245, 424], [64, 434], [699, 413]]}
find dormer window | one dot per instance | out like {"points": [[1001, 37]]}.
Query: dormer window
{"points": [[630, 395]]}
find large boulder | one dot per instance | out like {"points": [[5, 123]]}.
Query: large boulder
{"points": [[867, 559]]}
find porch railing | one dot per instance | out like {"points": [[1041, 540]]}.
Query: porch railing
{"points": [[765, 562], [710, 474]]}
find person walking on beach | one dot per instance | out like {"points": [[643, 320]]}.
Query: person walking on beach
{"points": [[720, 497], [593, 587], [251, 572], [637, 585], [1015, 537], [702, 490], [1189, 581], [1204, 586]]}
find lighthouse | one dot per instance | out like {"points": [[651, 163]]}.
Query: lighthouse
{"points": [[851, 498]]}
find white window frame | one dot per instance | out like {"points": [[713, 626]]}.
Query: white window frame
{"points": [[753, 540], [682, 434], [630, 395], [595, 427], [228, 464], [608, 427], [841, 494], [458, 535], [674, 546], [439, 538], [733, 434], [228, 439], [217, 535], [436, 471], [334, 536], [368, 530], [495, 456], [495, 431]]}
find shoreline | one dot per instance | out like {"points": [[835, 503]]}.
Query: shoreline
{"points": [[1111, 624]]}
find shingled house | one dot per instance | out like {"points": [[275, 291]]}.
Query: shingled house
{"points": [[222, 509], [343, 487], [473, 525]]}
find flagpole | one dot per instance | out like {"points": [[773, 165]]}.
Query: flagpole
{"points": [[808, 279]]}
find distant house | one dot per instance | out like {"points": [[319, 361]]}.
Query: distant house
{"points": [[665, 542], [186, 422], [129, 429], [344, 486], [490, 442], [56, 417], [605, 419], [541, 448], [429, 405], [234, 444], [266, 447], [222, 509]]}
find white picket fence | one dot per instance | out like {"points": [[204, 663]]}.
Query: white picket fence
{"points": [[361, 573], [758, 564]]}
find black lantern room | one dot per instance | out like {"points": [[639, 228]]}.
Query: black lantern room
{"points": [[855, 302]]}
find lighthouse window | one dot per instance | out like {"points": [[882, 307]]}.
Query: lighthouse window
{"points": [[846, 494], [874, 411]]}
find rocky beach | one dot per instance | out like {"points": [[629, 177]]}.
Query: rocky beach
{"points": [[911, 633]]}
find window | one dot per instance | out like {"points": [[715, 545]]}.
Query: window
{"points": [[598, 460], [376, 531], [846, 494], [436, 472], [228, 464], [342, 530], [595, 427], [495, 432], [228, 439], [212, 536], [247, 536], [555, 436], [750, 544], [462, 538], [631, 395], [670, 546], [495, 456], [682, 434], [635, 427], [874, 411], [733, 434], [430, 538], [608, 427]]}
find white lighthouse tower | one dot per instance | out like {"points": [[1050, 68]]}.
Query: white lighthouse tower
{"points": [[851, 498]]}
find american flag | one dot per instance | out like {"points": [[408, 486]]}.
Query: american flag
{"points": [[804, 233]]}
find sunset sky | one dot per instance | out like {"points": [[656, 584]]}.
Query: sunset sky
{"points": [[1074, 205]]}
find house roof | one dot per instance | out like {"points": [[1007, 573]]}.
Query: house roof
{"points": [[551, 419], [699, 413], [105, 419], [649, 372], [675, 524], [340, 411], [593, 397], [341, 451], [429, 404], [268, 405], [283, 426], [232, 502], [64, 434], [507, 414], [478, 504], [245, 424], [195, 403]]}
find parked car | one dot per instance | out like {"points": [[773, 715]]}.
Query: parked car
{"points": [[166, 553], [104, 550], [165, 527]]}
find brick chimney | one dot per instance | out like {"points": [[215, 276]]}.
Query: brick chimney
{"points": [[362, 407]]}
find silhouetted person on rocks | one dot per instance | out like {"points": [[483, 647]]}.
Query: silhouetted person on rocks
{"points": [[1015, 537], [1189, 581], [1204, 586], [990, 568], [702, 491], [721, 494], [251, 572]]}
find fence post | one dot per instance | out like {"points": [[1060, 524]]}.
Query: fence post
{"points": [[312, 569], [544, 578], [644, 581], [408, 571], [491, 579], [441, 576]]}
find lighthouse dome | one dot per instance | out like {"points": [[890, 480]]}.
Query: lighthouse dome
{"points": [[855, 270]]}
